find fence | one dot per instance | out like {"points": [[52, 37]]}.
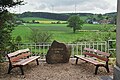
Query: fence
{"points": [[77, 48], [112, 47]]}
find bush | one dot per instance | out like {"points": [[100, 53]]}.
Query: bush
{"points": [[40, 37]]}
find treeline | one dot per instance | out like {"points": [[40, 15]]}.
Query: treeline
{"points": [[46, 15], [112, 14], [54, 16]]}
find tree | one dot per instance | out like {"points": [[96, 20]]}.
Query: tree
{"points": [[75, 22], [18, 39], [100, 16], [7, 24]]}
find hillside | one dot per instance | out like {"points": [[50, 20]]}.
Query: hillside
{"points": [[61, 16], [46, 15], [53, 16]]}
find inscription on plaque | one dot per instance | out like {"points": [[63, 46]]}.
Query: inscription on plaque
{"points": [[58, 53]]}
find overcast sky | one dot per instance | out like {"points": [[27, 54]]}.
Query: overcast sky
{"points": [[62, 6]]}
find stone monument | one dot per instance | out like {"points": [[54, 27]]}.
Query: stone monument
{"points": [[57, 53]]}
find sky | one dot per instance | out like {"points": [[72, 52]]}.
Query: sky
{"points": [[67, 6]]}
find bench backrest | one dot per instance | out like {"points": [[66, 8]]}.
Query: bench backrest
{"points": [[17, 55], [97, 53]]}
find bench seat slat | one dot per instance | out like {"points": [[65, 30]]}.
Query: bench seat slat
{"points": [[26, 61], [18, 52], [95, 62], [17, 58], [94, 55], [14, 53]]}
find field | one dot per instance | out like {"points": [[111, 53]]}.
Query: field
{"points": [[35, 18], [42, 20], [62, 33]]}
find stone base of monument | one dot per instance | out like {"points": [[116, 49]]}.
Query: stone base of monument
{"points": [[57, 53]]}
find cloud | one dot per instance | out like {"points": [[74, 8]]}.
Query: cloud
{"points": [[40, 7], [102, 4], [69, 5]]}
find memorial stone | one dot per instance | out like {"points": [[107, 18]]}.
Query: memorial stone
{"points": [[57, 53]]}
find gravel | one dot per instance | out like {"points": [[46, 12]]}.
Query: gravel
{"points": [[61, 71]]}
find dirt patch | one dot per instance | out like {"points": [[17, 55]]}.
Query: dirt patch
{"points": [[63, 71]]}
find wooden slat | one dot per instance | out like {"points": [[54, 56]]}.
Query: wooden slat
{"points": [[95, 62], [25, 50], [17, 58], [26, 61], [88, 49], [14, 53], [94, 55], [103, 53], [18, 52], [97, 51]]}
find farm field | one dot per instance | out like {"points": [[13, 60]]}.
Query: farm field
{"points": [[62, 33], [44, 19], [35, 18], [41, 20]]}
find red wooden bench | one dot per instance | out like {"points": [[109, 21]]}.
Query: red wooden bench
{"points": [[96, 57], [20, 58]]}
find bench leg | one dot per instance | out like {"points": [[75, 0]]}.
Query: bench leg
{"points": [[37, 61], [107, 68], [96, 69], [76, 60], [21, 68], [9, 69]]}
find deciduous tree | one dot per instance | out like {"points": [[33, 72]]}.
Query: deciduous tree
{"points": [[75, 22]]}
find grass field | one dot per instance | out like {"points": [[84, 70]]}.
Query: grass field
{"points": [[63, 26], [60, 31]]}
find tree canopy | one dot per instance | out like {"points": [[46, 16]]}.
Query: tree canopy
{"points": [[9, 3], [75, 22]]}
